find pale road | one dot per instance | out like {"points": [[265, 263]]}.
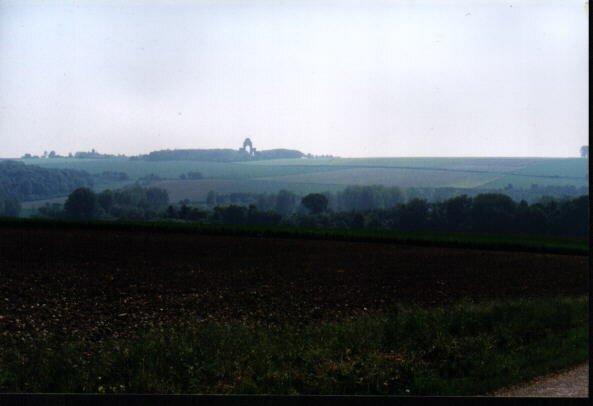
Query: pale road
{"points": [[572, 383]]}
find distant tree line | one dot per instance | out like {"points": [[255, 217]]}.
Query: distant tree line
{"points": [[531, 194], [111, 176], [30, 182], [279, 153], [216, 155], [92, 154], [9, 207], [130, 203], [381, 197], [286, 202], [193, 175], [486, 212]]}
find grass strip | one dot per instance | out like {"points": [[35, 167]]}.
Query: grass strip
{"points": [[522, 243], [462, 349]]}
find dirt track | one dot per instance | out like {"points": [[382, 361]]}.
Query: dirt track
{"points": [[109, 283], [573, 383]]}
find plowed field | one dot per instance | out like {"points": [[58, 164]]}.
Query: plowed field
{"points": [[104, 283]]}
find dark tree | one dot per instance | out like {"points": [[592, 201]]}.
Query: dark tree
{"points": [[457, 212], [211, 198], [157, 198], [315, 202], [194, 175], [184, 212], [171, 212], [285, 202], [493, 212], [81, 204], [111, 176], [10, 207], [151, 177], [357, 221], [266, 218], [413, 215], [530, 219], [105, 200], [230, 215]]}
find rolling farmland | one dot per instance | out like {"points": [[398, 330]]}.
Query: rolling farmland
{"points": [[333, 174]]}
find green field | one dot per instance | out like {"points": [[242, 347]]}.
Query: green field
{"points": [[333, 174], [490, 164], [391, 177], [507, 242], [555, 172], [441, 172], [170, 169]]}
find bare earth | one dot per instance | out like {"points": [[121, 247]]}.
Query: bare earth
{"points": [[573, 383], [102, 283]]}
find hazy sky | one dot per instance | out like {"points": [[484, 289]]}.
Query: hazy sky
{"points": [[383, 78]]}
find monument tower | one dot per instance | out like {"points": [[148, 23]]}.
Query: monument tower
{"points": [[247, 143]]}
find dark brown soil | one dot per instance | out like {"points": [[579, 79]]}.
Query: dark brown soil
{"points": [[109, 283]]}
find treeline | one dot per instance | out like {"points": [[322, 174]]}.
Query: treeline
{"points": [[130, 203], [216, 155], [9, 207], [110, 176], [286, 202], [29, 182], [381, 197], [530, 194], [279, 153], [92, 154], [484, 213]]}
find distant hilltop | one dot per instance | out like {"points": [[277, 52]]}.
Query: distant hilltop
{"points": [[246, 153], [217, 155]]}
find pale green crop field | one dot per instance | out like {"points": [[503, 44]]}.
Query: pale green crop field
{"points": [[544, 172], [568, 167], [483, 173], [169, 169], [482, 164], [391, 177]]}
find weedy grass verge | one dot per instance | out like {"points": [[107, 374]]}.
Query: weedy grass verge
{"points": [[463, 349]]}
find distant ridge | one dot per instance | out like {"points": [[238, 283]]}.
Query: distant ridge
{"points": [[217, 155]]}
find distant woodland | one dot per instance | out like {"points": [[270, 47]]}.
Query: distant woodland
{"points": [[484, 213], [207, 155], [217, 155], [30, 182]]}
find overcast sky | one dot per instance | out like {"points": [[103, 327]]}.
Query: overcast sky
{"points": [[382, 78]]}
